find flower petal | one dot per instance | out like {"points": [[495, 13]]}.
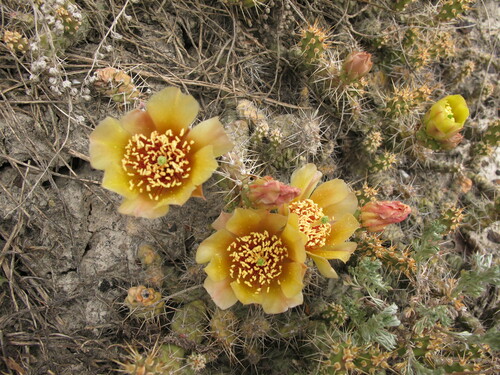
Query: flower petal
{"points": [[211, 132], [115, 179], [177, 196], [324, 266], [171, 109], [244, 221], [342, 229], [245, 294], [107, 143], [341, 251], [275, 301], [221, 221], [217, 242], [305, 178], [142, 206], [330, 192], [221, 293], [198, 192], [294, 240], [203, 165], [218, 268], [291, 279], [348, 205], [138, 122]]}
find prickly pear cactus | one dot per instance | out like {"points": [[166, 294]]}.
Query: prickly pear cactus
{"points": [[162, 360]]}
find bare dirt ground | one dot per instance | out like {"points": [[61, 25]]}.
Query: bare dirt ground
{"points": [[67, 257]]}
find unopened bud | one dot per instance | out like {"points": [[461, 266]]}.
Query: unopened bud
{"points": [[376, 215], [356, 65]]}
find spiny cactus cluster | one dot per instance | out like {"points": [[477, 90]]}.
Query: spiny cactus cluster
{"points": [[451, 9], [15, 42], [115, 84]]}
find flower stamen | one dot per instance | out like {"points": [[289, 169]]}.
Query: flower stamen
{"points": [[257, 260], [157, 163], [312, 222]]}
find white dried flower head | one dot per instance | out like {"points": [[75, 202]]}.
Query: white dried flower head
{"points": [[66, 84], [80, 119], [55, 90], [34, 47], [90, 80], [53, 80], [53, 71], [87, 98], [59, 27], [108, 48], [86, 91], [50, 20], [73, 92], [38, 65], [34, 78], [116, 36]]}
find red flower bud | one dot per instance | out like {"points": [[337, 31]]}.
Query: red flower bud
{"points": [[356, 65], [268, 193], [375, 216]]}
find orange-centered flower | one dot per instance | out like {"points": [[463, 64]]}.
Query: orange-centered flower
{"points": [[153, 158], [255, 257], [325, 217]]}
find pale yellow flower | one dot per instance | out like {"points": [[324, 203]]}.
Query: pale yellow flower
{"points": [[446, 117], [152, 158], [325, 217], [255, 257]]}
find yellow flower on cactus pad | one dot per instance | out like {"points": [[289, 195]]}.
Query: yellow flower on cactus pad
{"points": [[325, 217], [255, 257], [446, 117], [152, 158]]}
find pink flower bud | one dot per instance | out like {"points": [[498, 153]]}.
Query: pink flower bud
{"points": [[268, 193], [356, 65], [375, 216]]}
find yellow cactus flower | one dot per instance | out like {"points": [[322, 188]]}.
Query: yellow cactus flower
{"points": [[255, 257], [446, 117], [153, 158], [325, 217]]}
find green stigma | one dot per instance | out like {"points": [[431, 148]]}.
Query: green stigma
{"points": [[261, 262], [325, 219], [162, 160]]}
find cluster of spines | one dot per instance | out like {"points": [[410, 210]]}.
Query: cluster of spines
{"points": [[116, 84], [453, 9], [163, 360], [70, 22], [347, 357], [313, 43], [488, 140], [15, 41], [392, 257], [406, 99], [402, 4], [383, 162]]}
